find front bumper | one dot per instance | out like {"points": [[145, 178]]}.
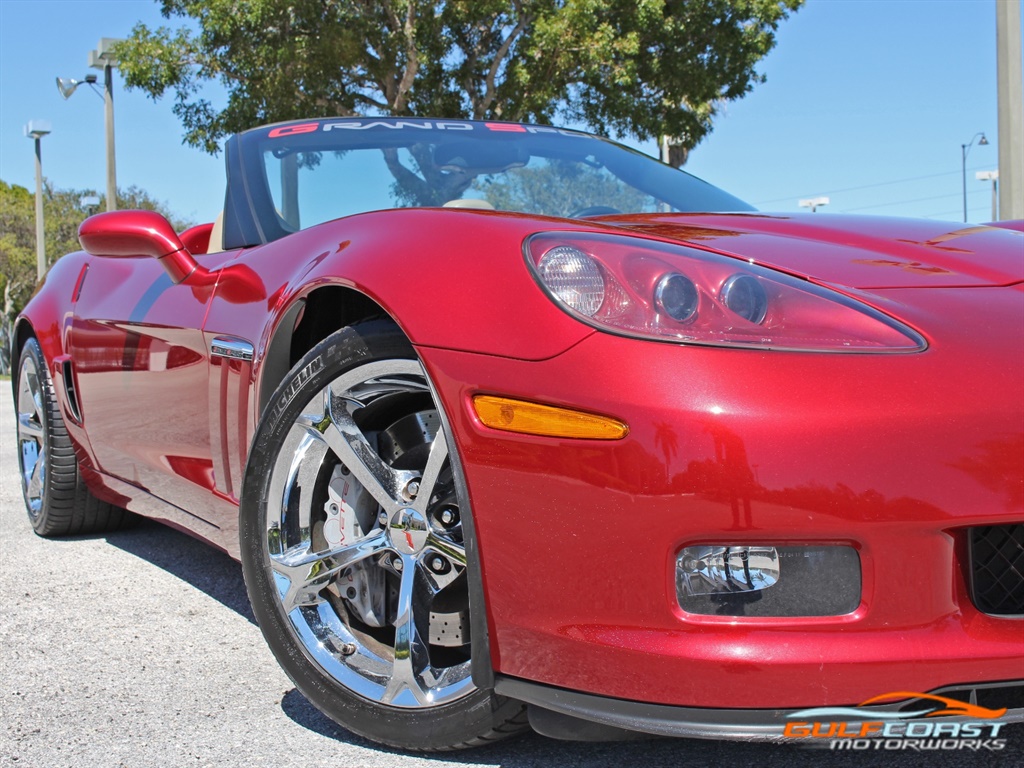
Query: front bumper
{"points": [[897, 456]]}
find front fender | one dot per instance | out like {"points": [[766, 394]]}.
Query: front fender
{"points": [[452, 279], [45, 314]]}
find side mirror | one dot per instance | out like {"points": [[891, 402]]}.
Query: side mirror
{"points": [[123, 234], [126, 234]]}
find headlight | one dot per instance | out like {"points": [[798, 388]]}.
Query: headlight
{"points": [[648, 289], [574, 278], [745, 296], [677, 297]]}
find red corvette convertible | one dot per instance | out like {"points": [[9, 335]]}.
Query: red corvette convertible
{"points": [[512, 425]]}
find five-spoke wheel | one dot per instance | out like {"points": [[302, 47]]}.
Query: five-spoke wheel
{"points": [[354, 549], [56, 497], [32, 444]]}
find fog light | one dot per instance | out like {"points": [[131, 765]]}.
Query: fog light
{"points": [[761, 580], [712, 570]]}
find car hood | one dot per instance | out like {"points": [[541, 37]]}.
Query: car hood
{"points": [[862, 252]]}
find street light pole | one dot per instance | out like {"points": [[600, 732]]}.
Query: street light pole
{"points": [[36, 129], [992, 176], [964, 149], [108, 99], [102, 58]]}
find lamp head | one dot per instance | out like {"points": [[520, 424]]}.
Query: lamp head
{"points": [[67, 85], [36, 129], [814, 202], [983, 142]]}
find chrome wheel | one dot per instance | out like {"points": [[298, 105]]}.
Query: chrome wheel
{"points": [[32, 446], [363, 536], [56, 497]]}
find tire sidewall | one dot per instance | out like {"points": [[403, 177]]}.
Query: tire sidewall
{"points": [[32, 351]]}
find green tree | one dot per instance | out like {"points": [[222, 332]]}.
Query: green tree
{"points": [[17, 257], [560, 189], [62, 214], [645, 68]]}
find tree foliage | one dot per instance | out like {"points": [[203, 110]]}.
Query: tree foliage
{"points": [[62, 214], [560, 189], [644, 68]]}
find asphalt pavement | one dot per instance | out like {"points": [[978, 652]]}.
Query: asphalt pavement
{"points": [[138, 648]]}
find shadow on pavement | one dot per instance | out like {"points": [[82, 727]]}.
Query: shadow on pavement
{"points": [[207, 569]]}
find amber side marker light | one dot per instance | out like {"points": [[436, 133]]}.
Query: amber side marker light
{"points": [[528, 418]]}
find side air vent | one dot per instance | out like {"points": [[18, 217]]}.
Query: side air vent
{"points": [[69, 386]]}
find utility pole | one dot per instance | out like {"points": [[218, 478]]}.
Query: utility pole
{"points": [[1011, 109]]}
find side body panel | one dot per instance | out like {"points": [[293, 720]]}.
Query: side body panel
{"points": [[141, 371]]}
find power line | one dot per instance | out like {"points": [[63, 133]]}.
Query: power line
{"points": [[972, 195], [872, 186], [956, 213], [898, 203]]}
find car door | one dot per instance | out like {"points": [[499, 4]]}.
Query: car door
{"points": [[143, 378]]}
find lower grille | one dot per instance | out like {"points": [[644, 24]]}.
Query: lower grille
{"points": [[997, 569], [1009, 694]]}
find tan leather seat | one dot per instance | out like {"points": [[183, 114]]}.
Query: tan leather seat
{"points": [[217, 235]]}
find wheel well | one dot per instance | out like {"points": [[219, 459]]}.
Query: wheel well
{"points": [[22, 333], [308, 322]]}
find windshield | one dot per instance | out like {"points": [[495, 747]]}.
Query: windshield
{"points": [[317, 171]]}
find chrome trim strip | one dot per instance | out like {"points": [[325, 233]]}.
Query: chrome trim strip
{"points": [[235, 349]]}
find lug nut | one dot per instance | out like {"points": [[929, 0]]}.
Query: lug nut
{"points": [[437, 564], [448, 516], [382, 518], [348, 649], [412, 489], [397, 564]]}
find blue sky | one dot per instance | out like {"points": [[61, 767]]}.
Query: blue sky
{"points": [[866, 101]]}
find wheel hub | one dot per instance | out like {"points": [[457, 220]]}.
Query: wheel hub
{"points": [[408, 531]]}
